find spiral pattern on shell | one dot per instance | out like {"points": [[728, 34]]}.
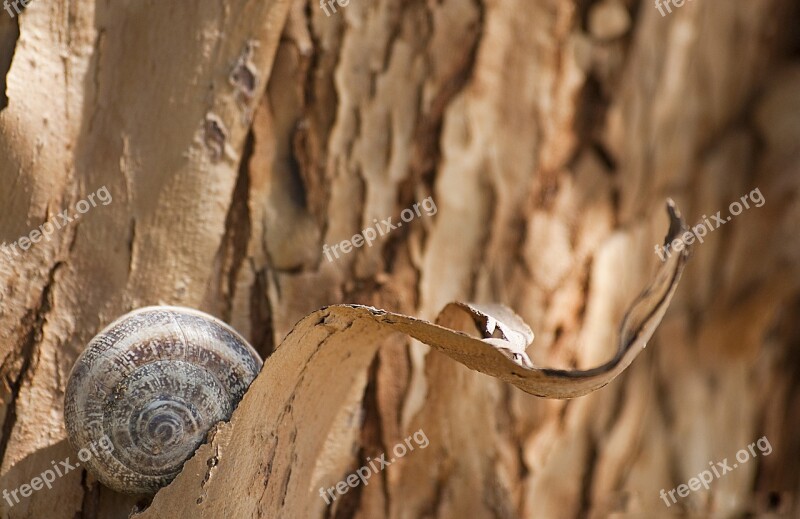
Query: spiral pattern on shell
{"points": [[148, 388]]}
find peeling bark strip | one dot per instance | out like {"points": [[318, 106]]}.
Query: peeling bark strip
{"points": [[297, 395]]}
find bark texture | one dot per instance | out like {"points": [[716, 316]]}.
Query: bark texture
{"points": [[239, 137]]}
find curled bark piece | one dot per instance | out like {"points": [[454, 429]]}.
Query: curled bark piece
{"points": [[272, 448]]}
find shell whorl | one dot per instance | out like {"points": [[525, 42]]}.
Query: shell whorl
{"points": [[152, 384]]}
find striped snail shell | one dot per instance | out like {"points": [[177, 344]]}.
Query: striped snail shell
{"points": [[148, 388]]}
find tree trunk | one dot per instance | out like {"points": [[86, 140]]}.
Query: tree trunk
{"points": [[236, 139]]}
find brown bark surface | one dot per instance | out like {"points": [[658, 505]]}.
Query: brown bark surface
{"points": [[237, 138]]}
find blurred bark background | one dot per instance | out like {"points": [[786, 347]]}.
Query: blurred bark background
{"points": [[238, 137]]}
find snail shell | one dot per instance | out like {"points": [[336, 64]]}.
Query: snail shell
{"points": [[147, 390]]}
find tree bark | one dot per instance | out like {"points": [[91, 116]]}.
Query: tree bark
{"points": [[238, 138]]}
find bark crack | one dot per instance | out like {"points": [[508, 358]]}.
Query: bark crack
{"points": [[233, 248], [35, 320], [261, 326]]}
